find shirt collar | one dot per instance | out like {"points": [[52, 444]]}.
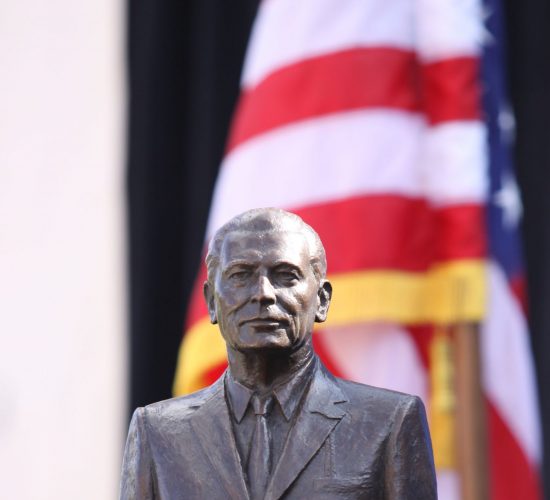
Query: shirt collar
{"points": [[288, 393], [238, 396]]}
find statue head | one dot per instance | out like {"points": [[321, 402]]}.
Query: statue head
{"points": [[266, 283]]}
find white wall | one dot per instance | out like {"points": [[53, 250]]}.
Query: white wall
{"points": [[62, 304]]}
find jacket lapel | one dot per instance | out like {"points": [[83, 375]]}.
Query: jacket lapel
{"points": [[211, 423], [315, 422]]}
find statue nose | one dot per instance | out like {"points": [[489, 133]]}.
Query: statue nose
{"points": [[264, 291]]}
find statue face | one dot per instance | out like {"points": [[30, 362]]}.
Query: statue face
{"points": [[265, 294]]}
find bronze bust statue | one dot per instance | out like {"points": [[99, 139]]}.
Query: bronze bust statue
{"points": [[276, 424]]}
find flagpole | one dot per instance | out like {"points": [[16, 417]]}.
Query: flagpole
{"points": [[457, 408], [471, 415]]}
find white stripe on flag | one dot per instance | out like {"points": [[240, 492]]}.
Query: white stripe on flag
{"points": [[454, 160], [358, 23], [436, 29], [362, 353], [352, 153], [448, 28], [448, 485], [508, 373]]}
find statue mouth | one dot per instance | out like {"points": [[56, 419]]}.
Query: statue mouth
{"points": [[269, 323]]}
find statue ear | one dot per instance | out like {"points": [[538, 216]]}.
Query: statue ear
{"points": [[324, 294], [208, 292]]}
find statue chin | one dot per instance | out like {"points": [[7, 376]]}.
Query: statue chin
{"points": [[265, 340]]}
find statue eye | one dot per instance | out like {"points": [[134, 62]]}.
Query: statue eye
{"points": [[239, 275], [287, 276]]}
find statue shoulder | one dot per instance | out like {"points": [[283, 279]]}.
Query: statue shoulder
{"points": [[363, 396], [181, 407]]}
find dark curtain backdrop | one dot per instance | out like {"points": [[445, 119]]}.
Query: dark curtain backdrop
{"points": [[184, 61], [529, 78]]}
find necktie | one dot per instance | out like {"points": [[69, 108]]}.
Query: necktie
{"points": [[259, 460]]}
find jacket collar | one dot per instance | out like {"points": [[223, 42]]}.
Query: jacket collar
{"points": [[212, 426]]}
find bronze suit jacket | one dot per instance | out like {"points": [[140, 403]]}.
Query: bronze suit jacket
{"points": [[348, 441]]}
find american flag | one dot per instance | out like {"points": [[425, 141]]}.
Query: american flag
{"points": [[365, 118]]}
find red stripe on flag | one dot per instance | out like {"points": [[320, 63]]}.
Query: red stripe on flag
{"points": [[451, 90], [512, 476], [519, 289], [461, 232], [422, 336], [346, 228], [355, 79], [340, 81], [410, 235]]}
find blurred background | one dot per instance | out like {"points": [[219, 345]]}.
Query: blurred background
{"points": [[413, 136]]}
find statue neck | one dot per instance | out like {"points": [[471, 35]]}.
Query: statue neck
{"points": [[263, 370]]}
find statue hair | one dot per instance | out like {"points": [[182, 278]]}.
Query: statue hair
{"points": [[267, 220]]}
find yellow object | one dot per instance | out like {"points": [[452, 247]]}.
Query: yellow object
{"points": [[410, 298], [442, 412]]}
